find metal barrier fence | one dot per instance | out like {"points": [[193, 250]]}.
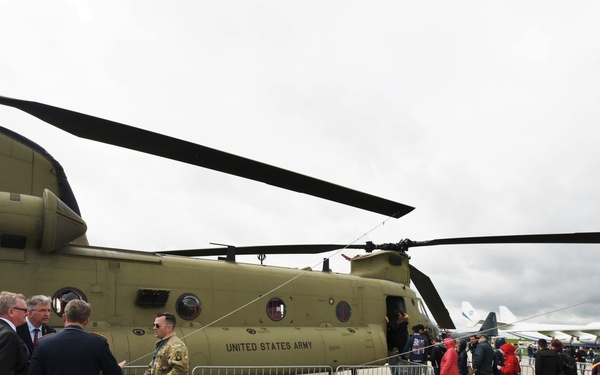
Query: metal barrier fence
{"points": [[261, 370], [583, 368], [134, 370], [527, 369], [405, 368]]}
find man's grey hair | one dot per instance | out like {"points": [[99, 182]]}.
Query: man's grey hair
{"points": [[77, 311], [33, 301], [8, 300]]}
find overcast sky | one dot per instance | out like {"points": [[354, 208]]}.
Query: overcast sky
{"points": [[482, 115]]}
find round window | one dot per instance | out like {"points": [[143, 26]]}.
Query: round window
{"points": [[276, 309], [188, 306], [343, 311], [64, 296]]}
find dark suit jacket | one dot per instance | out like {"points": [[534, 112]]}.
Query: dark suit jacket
{"points": [[23, 332], [547, 362], [73, 351], [12, 352]]}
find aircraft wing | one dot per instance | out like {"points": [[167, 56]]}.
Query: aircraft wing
{"points": [[555, 333], [592, 331], [578, 331], [530, 336], [571, 332]]}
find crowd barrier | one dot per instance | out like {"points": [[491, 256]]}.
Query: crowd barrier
{"points": [[405, 368]]}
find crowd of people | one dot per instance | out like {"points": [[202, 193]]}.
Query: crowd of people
{"points": [[447, 356], [550, 357], [452, 357], [28, 345]]}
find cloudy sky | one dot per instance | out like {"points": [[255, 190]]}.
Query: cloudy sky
{"points": [[482, 115]]}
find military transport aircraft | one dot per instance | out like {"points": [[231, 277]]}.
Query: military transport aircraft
{"points": [[489, 327], [229, 313], [508, 323], [567, 333]]}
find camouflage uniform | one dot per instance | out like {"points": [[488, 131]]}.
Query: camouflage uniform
{"points": [[171, 358]]}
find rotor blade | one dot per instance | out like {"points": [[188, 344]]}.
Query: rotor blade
{"points": [[126, 136], [432, 298], [582, 238], [271, 249], [556, 238]]}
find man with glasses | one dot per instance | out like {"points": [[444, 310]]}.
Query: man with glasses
{"points": [[13, 358], [38, 317], [171, 354]]}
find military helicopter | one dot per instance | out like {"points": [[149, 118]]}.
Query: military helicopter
{"points": [[229, 313]]}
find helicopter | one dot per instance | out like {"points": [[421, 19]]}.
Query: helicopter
{"points": [[229, 313]]}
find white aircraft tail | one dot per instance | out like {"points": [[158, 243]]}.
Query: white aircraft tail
{"points": [[470, 315], [506, 316]]}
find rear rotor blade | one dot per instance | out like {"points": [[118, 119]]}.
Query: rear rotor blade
{"points": [[581, 238], [126, 136], [431, 297]]}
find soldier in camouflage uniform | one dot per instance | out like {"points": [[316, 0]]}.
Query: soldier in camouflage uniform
{"points": [[171, 354]]}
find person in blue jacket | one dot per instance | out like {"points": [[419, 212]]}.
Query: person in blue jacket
{"points": [[416, 346]]}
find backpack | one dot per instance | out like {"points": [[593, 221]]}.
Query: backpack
{"points": [[567, 363]]}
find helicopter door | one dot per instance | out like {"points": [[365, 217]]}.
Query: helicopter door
{"points": [[394, 303]]}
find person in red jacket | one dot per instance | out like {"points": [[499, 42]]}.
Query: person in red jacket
{"points": [[511, 362], [449, 364]]}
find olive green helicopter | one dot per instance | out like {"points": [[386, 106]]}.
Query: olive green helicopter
{"points": [[229, 313]]}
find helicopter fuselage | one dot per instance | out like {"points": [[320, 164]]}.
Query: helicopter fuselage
{"points": [[228, 313]]}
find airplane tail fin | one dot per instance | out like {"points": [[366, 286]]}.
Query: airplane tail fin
{"points": [[470, 315], [506, 316], [490, 325]]}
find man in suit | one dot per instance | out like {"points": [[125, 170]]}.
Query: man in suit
{"points": [[38, 317], [72, 350], [13, 360]]}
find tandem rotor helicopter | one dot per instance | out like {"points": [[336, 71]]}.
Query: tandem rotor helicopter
{"points": [[229, 313]]}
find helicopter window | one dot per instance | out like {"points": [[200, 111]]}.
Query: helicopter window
{"points": [[343, 311], [64, 296], [422, 308], [276, 309], [12, 241], [152, 297], [188, 306]]}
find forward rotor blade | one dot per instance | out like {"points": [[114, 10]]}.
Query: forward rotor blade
{"points": [[254, 250], [432, 298], [556, 238], [126, 136]]}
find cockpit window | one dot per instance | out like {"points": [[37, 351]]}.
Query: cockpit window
{"points": [[422, 308]]}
